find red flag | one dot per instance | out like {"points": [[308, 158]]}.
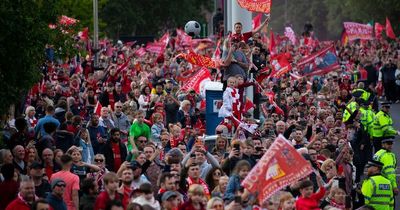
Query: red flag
{"points": [[257, 21], [271, 100], [248, 105], [84, 35], [196, 80], [183, 40], [165, 39], [155, 47], [279, 167], [389, 29], [263, 6], [272, 43], [199, 60], [321, 62], [140, 52], [97, 108], [280, 65], [358, 31], [378, 30], [217, 53]]}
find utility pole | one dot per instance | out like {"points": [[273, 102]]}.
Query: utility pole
{"points": [[95, 33]]}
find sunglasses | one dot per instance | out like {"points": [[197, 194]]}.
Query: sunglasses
{"points": [[60, 185], [142, 141], [98, 160]]}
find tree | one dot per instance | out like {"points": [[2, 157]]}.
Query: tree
{"points": [[150, 17], [25, 33]]}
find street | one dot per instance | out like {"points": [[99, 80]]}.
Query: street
{"points": [[395, 113]]}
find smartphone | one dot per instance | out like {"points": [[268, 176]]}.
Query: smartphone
{"points": [[237, 147], [193, 155], [238, 199], [259, 149]]}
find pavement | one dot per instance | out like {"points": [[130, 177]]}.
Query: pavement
{"points": [[395, 114]]}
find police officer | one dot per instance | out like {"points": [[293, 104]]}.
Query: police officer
{"points": [[376, 189], [367, 117], [388, 158], [383, 126]]}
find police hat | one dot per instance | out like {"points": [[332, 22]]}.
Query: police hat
{"points": [[386, 104], [387, 140], [374, 163]]}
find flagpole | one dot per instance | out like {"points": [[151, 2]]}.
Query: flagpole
{"points": [[95, 32]]}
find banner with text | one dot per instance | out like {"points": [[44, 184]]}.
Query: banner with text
{"points": [[358, 31]]}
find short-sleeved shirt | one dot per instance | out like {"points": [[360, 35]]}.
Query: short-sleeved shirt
{"points": [[72, 183], [235, 69], [243, 37]]}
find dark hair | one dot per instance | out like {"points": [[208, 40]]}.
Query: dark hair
{"points": [[8, 171], [35, 204], [87, 185], [20, 124], [209, 178], [112, 203], [49, 109], [305, 183], [114, 130], [50, 127], [238, 23], [65, 159], [164, 176]]}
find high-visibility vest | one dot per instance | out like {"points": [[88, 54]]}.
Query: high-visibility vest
{"points": [[364, 94], [383, 125], [352, 106], [367, 119], [389, 165], [378, 192]]}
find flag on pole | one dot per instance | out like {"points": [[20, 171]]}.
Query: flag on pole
{"points": [[279, 167], [344, 38], [263, 6], [256, 21], [272, 44], [378, 30], [195, 82], [389, 29], [199, 60], [321, 62], [97, 108]]}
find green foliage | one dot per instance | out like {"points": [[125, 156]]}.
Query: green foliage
{"points": [[136, 17], [24, 34], [327, 16]]}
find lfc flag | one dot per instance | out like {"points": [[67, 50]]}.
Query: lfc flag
{"points": [[272, 44], [321, 62], [389, 29], [280, 65], [195, 82], [263, 6], [199, 60], [280, 166]]}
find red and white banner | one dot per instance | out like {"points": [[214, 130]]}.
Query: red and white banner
{"points": [[155, 47], [263, 6], [182, 39], [195, 82], [358, 31], [279, 167], [321, 62], [140, 52], [199, 60], [280, 65]]}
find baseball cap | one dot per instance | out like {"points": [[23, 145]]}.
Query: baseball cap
{"points": [[167, 195], [56, 182]]}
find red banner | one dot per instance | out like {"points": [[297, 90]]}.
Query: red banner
{"points": [[280, 166], [196, 80], [280, 65], [140, 52], [389, 29], [263, 6], [67, 21], [319, 63], [182, 39], [199, 60], [155, 47], [358, 31]]}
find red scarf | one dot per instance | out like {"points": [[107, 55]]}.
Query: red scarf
{"points": [[190, 181]]}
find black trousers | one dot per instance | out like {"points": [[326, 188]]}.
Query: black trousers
{"points": [[390, 90]]}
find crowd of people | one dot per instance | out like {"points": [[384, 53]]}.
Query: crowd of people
{"points": [[124, 135]]}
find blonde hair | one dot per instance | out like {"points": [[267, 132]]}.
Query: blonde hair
{"points": [[284, 196], [184, 103], [73, 149], [326, 163], [196, 189], [28, 109], [211, 202]]}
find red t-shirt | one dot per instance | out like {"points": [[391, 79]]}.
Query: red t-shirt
{"points": [[117, 155], [311, 203], [103, 198], [243, 37]]}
